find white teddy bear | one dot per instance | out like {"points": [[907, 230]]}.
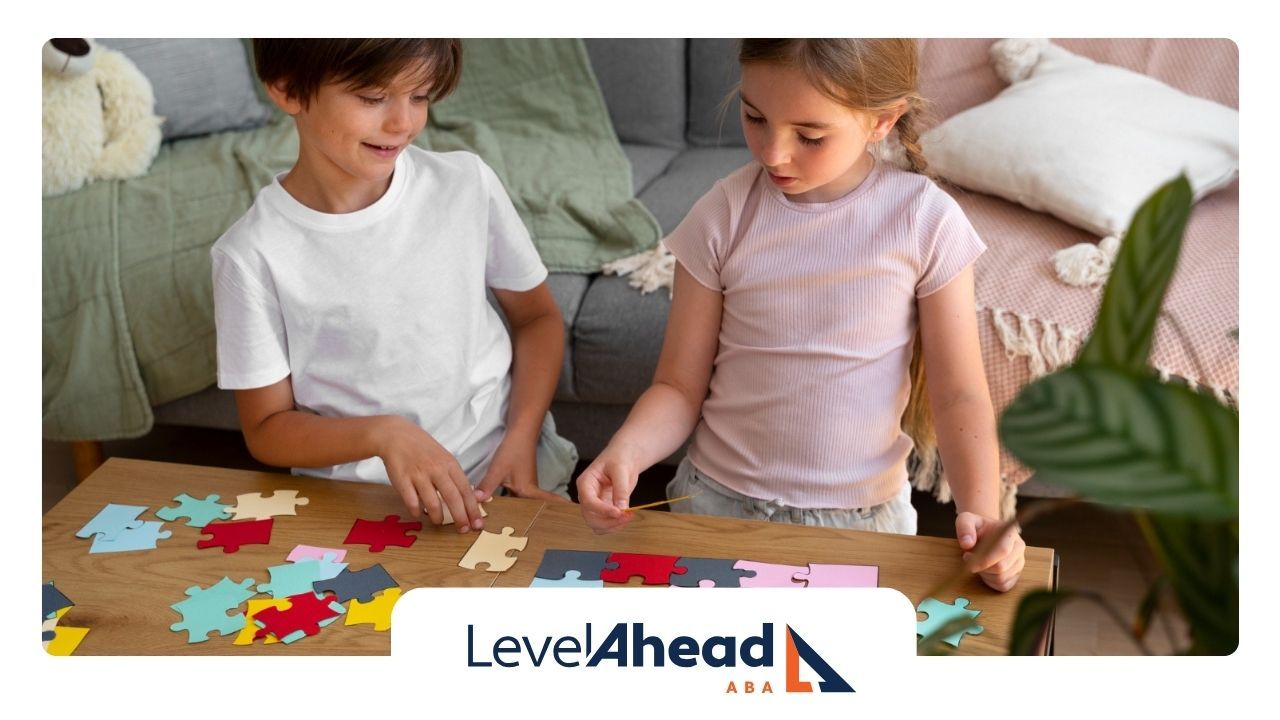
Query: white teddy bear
{"points": [[98, 116]]}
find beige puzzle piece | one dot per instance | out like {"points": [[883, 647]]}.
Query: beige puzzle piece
{"points": [[256, 506], [492, 548], [377, 612], [448, 516]]}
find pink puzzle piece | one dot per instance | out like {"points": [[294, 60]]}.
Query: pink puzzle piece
{"points": [[770, 574], [848, 576], [311, 552]]}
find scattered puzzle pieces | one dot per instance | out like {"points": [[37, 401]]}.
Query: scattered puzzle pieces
{"points": [[557, 563], [377, 612], [852, 576], [491, 550], [142, 538], [112, 520], [311, 552], [378, 534], [198, 512], [770, 574], [256, 506], [572, 578], [250, 629], [205, 610], [721, 572], [359, 585], [655, 569], [231, 535], [306, 614], [52, 600], [941, 613]]}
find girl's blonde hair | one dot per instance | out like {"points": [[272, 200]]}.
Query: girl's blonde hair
{"points": [[869, 75]]}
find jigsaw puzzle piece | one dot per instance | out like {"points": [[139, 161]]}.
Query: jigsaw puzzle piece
{"points": [[377, 612], [232, 534], [849, 576], [770, 574], [142, 538], [205, 610], [112, 520], [378, 534], [359, 585], [198, 512], [491, 549], [65, 640], [720, 572], [251, 628], [448, 516], [572, 578], [556, 564], [256, 506], [654, 569], [941, 613], [52, 600], [311, 552], [306, 614], [292, 578]]}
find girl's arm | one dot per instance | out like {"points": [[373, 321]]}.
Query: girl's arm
{"points": [[422, 471], [666, 413], [537, 346], [965, 423]]}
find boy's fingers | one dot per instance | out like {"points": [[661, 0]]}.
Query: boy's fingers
{"points": [[989, 556], [467, 497], [410, 498], [430, 500], [445, 484]]}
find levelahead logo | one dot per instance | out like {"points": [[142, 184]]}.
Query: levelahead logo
{"points": [[709, 649]]}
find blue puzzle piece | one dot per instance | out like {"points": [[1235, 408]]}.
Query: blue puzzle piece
{"points": [[199, 512], [329, 567], [292, 578], [572, 578], [52, 600], [143, 538], [112, 520], [941, 613], [205, 610]]}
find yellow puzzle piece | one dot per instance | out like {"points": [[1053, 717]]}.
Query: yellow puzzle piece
{"points": [[377, 612]]}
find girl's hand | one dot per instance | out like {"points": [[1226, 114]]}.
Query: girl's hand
{"points": [[604, 491], [425, 474], [515, 467], [998, 561]]}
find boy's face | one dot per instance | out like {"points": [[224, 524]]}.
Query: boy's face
{"points": [[350, 137]]}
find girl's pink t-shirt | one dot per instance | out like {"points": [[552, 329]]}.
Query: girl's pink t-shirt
{"points": [[812, 374]]}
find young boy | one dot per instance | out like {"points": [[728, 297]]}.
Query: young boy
{"points": [[350, 299]]}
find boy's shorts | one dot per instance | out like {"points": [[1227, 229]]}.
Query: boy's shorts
{"points": [[557, 459], [712, 498]]}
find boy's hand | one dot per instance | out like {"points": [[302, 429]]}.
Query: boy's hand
{"points": [[419, 468], [997, 560], [515, 467], [604, 491]]}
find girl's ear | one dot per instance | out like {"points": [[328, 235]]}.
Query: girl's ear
{"points": [[886, 119], [278, 91]]}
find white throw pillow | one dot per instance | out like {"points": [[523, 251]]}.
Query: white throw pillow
{"points": [[1083, 141]]}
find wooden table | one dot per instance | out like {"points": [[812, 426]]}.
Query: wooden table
{"points": [[124, 598]]}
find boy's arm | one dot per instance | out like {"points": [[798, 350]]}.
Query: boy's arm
{"points": [[422, 471], [964, 420], [537, 346]]}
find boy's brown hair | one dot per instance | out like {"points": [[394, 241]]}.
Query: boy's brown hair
{"points": [[304, 64]]}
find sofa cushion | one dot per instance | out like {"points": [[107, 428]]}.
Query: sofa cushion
{"points": [[1086, 142], [688, 178], [643, 81], [201, 85], [616, 341], [647, 163], [713, 76]]}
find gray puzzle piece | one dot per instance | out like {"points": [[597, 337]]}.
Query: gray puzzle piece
{"points": [[361, 584], [721, 571], [555, 563], [53, 600]]}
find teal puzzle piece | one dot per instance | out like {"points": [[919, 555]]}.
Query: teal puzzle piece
{"points": [[941, 613], [198, 512], [205, 610]]}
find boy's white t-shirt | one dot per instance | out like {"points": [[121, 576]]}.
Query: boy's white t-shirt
{"points": [[382, 311]]}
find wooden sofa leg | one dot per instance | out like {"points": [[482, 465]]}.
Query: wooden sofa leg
{"points": [[86, 455]]}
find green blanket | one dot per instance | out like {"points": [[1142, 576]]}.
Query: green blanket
{"points": [[127, 303]]}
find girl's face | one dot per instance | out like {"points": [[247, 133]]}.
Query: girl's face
{"points": [[813, 148]]}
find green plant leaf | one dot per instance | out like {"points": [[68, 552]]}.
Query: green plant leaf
{"points": [[1126, 322], [1201, 560], [1034, 611], [1147, 608], [1128, 440]]}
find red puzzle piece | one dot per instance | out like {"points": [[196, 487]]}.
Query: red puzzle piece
{"points": [[305, 612], [655, 569], [378, 534], [231, 535]]}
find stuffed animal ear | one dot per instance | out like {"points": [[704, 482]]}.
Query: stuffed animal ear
{"points": [[71, 57]]}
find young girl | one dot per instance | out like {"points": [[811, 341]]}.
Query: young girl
{"points": [[804, 282]]}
